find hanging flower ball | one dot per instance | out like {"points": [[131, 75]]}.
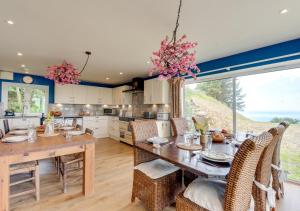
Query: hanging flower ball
{"points": [[174, 59], [62, 74]]}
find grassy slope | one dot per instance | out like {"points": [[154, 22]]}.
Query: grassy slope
{"points": [[221, 117]]}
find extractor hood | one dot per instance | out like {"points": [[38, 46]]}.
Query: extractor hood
{"points": [[137, 85]]}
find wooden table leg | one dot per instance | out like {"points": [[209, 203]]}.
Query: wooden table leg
{"points": [[89, 169], [4, 185]]}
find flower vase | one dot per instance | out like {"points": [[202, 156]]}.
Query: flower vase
{"points": [[49, 130], [203, 139]]}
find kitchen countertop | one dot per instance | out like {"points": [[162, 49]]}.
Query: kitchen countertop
{"points": [[66, 116], [18, 117]]}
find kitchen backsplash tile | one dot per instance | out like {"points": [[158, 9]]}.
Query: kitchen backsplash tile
{"points": [[137, 108]]}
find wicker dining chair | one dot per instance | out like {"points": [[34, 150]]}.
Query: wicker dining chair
{"points": [[70, 164], [278, 185], [263, 170], [179, 126], [154, 193], [30, 168], [237, 193]]}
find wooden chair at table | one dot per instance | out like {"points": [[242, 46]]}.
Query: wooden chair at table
{"points": [[277, 184], [263, 172], [155, 192], [71, 163], [235, 193], [179, 126], [17, 170]]}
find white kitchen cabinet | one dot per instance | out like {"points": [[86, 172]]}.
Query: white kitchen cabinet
{"points": [[64, 94], [79, 94], [106, 96], [99, 124], [156, 91], [148, 91], [70, 94], [120, 97], [164, 128], [92, 95], [113, 128]]}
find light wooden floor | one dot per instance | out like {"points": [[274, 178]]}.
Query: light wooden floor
{"points": [[113, 182]]}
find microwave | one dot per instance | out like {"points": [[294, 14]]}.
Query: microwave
{"points": [[110, 111]]}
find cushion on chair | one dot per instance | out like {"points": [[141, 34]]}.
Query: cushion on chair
{"points": [[156, 168], [208, 194]]}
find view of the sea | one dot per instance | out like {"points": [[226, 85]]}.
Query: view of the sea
{"points": [[266, 116]]}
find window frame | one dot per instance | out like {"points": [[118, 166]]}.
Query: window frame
{"points": [[27, 91]]}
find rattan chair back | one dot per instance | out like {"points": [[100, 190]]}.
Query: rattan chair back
{"points": [[263, 169], [276, 160], [141, 131], [240, 179], [179, 126]]}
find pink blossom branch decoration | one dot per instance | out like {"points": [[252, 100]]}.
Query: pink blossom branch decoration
{"points": [[175, 59], [62, 74]]}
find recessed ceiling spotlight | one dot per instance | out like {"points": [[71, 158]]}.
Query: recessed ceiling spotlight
{"points": [[23, 65], [284, 11], [19, 54], [107, 78], [10, 22], [148, 62], [121, 73]]}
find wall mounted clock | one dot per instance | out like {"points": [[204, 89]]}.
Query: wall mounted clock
{"points": [[27, 79]]}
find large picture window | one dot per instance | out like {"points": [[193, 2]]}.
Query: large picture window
{"points": [[261, 102], [24, 98]]}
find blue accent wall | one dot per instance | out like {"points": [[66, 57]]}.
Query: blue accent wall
{"points": [[40, 80], [256, 55]]}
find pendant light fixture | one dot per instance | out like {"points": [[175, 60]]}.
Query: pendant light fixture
{"points": [[66, 73], [174, 58]]}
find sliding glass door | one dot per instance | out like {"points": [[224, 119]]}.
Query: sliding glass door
{"points": [[252, 103]]}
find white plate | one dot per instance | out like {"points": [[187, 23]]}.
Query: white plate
{"points": [[158, 140], [18, 132], [216, 156], [14, 139], [67, 128], [76, 132]]}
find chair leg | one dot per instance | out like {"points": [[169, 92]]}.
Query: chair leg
{"points": [[37, 182], [64, 177], [133, 193]]}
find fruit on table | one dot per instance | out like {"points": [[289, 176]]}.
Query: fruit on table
{"points": [[217, 136]]}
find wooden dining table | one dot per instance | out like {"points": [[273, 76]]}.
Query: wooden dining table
{"points": [[189, 160], [42, 148]]}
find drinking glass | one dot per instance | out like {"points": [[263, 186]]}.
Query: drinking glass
{"points": [[31, 134], [188, 138], [68, 136], [209, 142]]}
